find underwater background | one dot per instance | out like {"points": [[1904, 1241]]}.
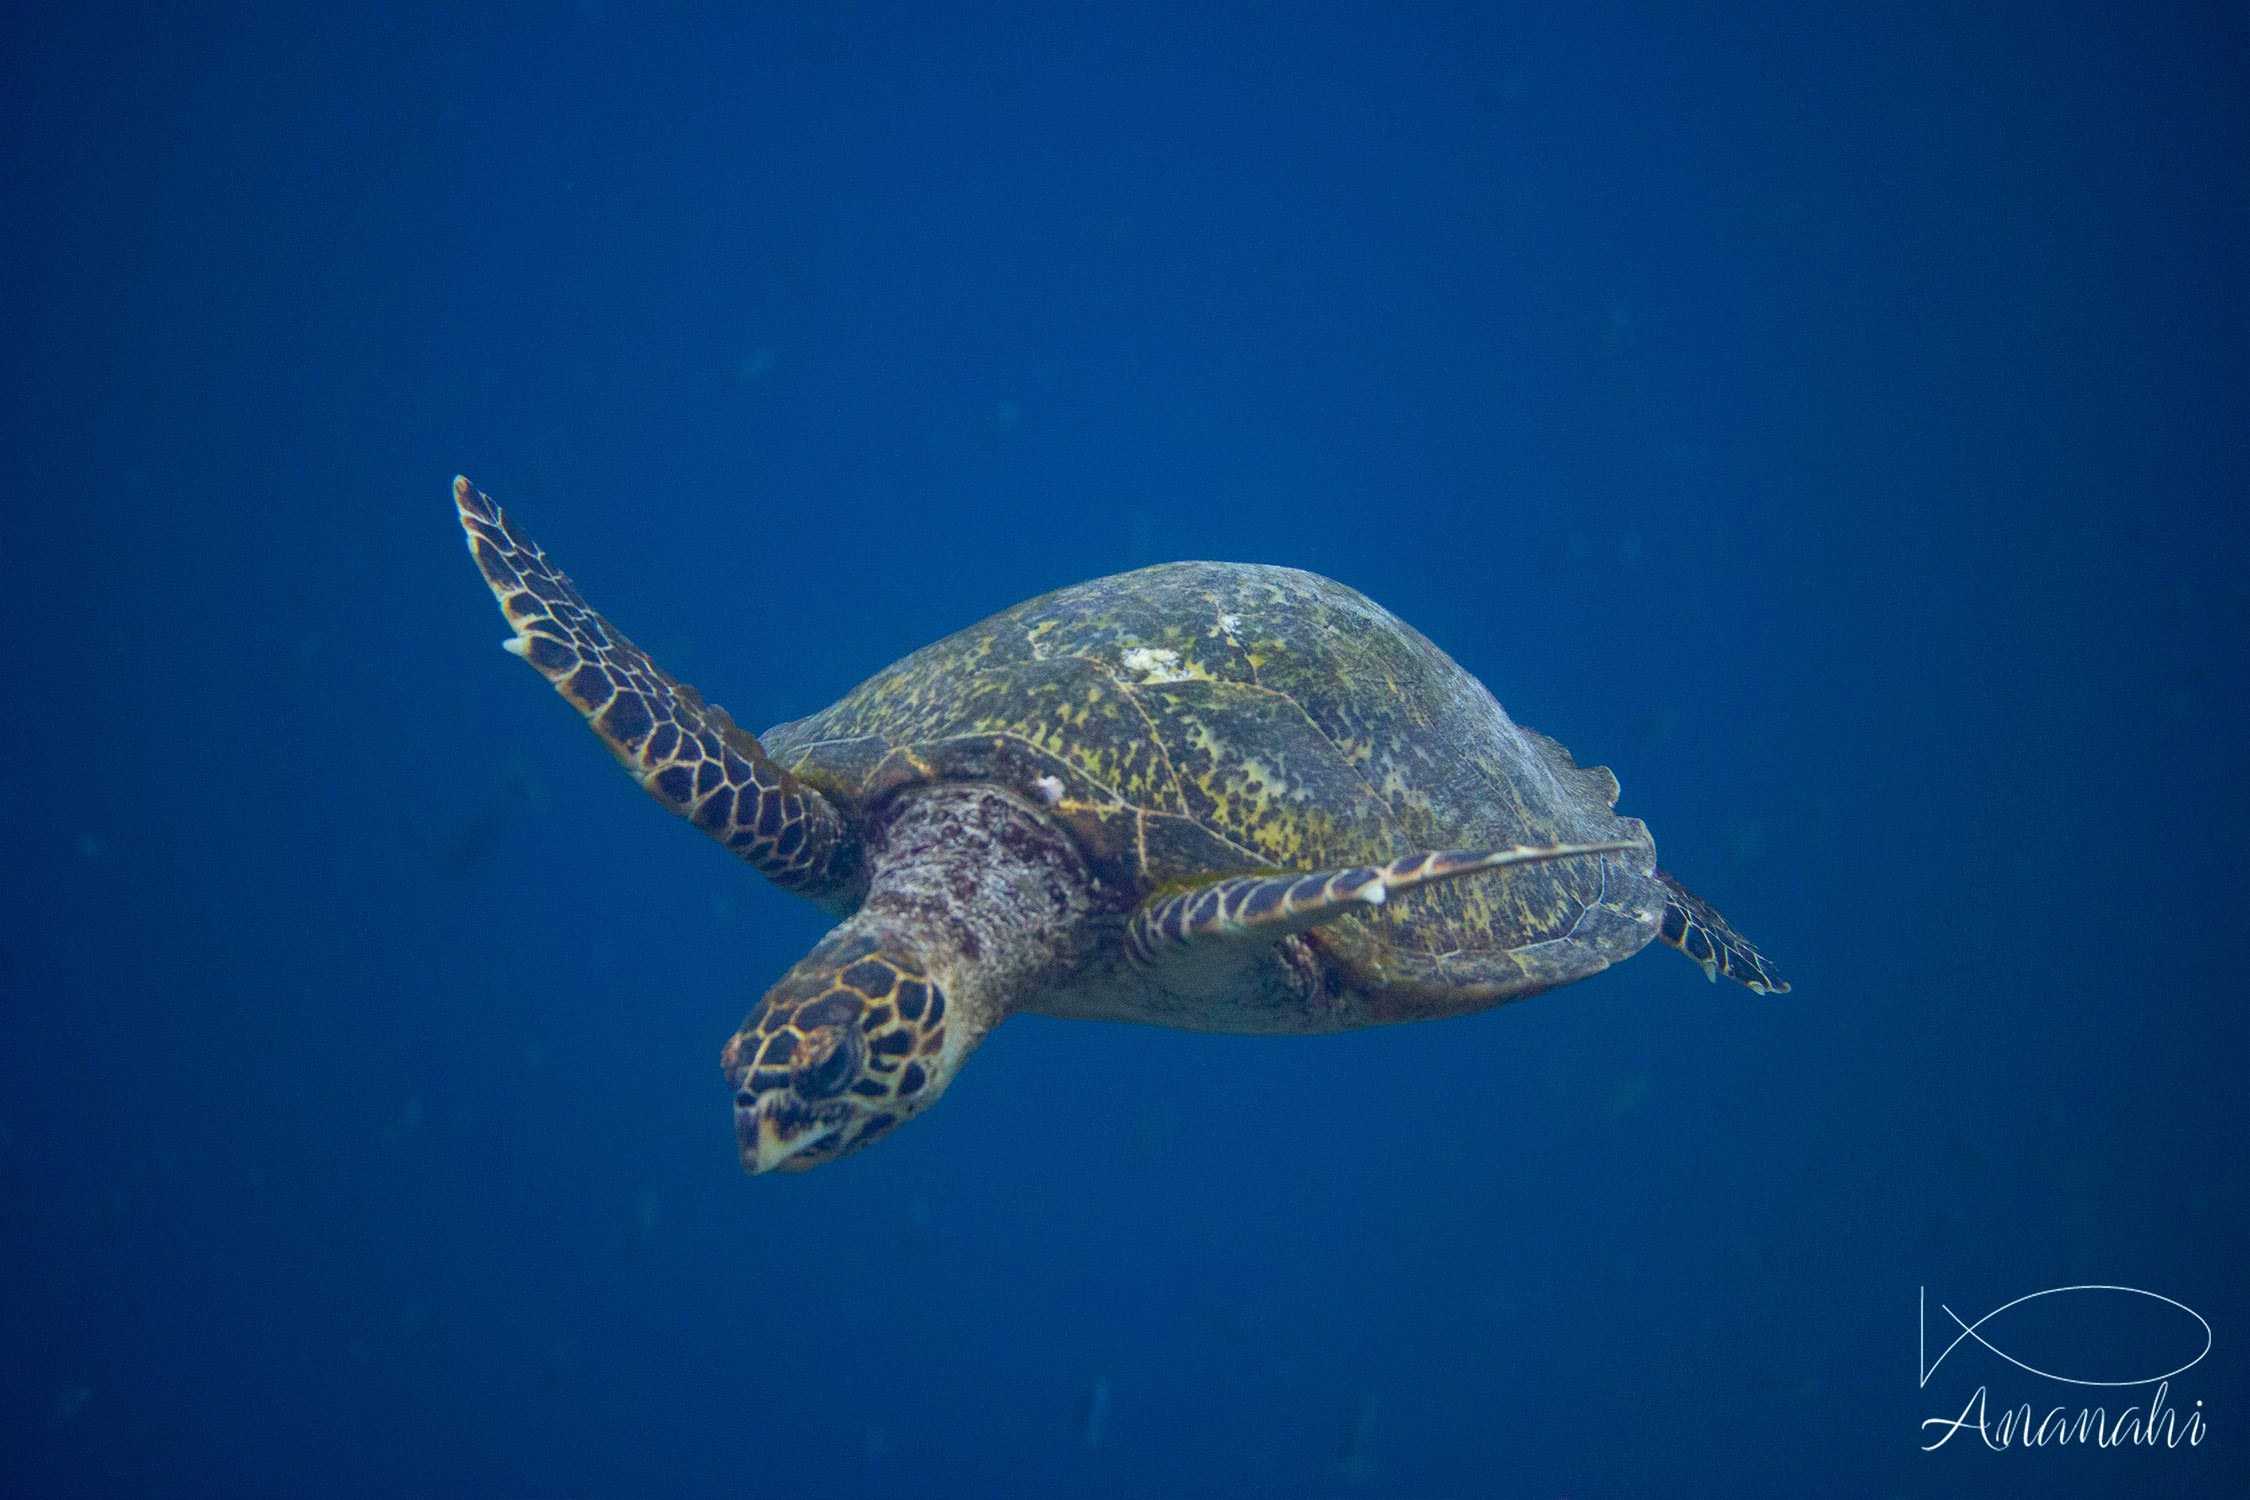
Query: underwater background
{"points": [[1834, 422]]}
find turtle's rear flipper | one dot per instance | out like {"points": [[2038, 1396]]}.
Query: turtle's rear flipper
{"points": [[686, 753], [1206, 934], [1691, 926]]}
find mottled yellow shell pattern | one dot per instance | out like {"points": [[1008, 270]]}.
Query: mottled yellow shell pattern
{"points": [[1201, 719]]}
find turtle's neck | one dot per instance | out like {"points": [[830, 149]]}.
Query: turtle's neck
{"points": [[993, 897]]}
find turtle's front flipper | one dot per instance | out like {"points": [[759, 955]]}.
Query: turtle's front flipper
{"points": [[687, 753], [1691, 926], [1205, 934]]}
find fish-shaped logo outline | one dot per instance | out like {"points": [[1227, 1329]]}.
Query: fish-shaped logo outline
{"points": [[1969, 1331]]}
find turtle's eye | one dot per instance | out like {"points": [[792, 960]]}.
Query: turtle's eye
{"points": [[828, 1060]]}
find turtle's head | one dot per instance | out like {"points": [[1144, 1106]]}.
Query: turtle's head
{"points": [[850, 1043]]}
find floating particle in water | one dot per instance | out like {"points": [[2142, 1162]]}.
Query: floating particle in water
{"points": [[1656, 728], [1620, 329], [459, 840], [68, 1403], [1093, 1413], [1624, 1096], [756, 365], [406, 1121], [1355, 1456]]}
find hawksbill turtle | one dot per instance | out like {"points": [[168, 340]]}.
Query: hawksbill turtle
{"points": [[1214, 796]]}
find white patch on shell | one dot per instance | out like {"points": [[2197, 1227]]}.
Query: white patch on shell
{"points": [[1050, 789], [1154, 664], [1230, 623]]}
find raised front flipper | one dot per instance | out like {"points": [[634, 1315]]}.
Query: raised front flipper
{"points": [[1206, 934], [1691, 926], [688, 754]]}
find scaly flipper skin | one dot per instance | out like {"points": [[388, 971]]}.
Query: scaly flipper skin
{"points": [[1691, 926], [688, 754], [1252, 911]]}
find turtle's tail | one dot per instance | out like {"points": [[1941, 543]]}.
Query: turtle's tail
{"points": [[1691, 926]]}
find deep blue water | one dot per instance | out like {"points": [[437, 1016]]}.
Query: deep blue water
{"points": [[1836, 425]]}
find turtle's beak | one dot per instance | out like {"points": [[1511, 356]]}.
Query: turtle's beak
{"points": [[766, 1143]]}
